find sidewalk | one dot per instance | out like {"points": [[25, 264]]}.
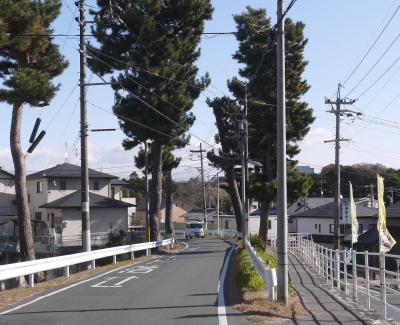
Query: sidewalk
{"points": [[322, 304]]}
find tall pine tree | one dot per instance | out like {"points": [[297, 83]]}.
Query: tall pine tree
{"points": [[156, 42], [257, 52], [27, 66]]}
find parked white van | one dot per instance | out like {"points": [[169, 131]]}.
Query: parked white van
{"points": [[194, 229]]}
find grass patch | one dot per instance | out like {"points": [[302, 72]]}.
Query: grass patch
{"points": [[248, 276], [259, 245]]}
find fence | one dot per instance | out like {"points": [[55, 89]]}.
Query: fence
{"points": [[269, 275], [30, 268], [372, 279]]}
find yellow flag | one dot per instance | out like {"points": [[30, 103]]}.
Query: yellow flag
{"points": [[386, 241], [353, 215]]}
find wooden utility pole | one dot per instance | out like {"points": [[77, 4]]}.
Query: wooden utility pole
{"points": [[146, 190], [85, 210], [338, 113], [203, 184], [282, 231]]}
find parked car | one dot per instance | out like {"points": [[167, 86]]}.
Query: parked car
{"points": [[194, 229]]}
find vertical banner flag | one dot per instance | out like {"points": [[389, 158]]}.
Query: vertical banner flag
{"points": [[353, 215], [386, 241]]}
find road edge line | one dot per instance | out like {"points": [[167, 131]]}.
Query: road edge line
{"points": [[222, 318]]}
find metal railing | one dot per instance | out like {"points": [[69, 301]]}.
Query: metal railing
{"points": [[371, 279], [30, 268], [268, 275]]}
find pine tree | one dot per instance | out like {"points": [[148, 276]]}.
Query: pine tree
{"points": [[159, 41], [257, 52], [27, 66], [225, 112]]}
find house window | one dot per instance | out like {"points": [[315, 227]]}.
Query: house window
{"points": [[96, 186], [360, 228], [226, 224], [63, 185], [38, 216], [331, 228], [316, 226], [290, 220], [29, 198], [39, 187], [112, 191], [319, 228], [269, 224]]}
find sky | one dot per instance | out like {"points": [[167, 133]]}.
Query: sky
{"points": [[339, 32]]}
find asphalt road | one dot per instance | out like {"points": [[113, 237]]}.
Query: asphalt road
{"points": [[180, 288]]}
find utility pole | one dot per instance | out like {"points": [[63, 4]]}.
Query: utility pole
{"points": [[86, 243], [282, 253], [243, 188], [246, 164], [218, 203], [202, 182], [371, 186], [338, 113], [146, 190]]}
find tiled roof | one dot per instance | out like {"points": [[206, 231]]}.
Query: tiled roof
{"points": [[328, 211], [73, 200], [67, 170]]}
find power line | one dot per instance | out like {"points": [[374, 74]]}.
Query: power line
{"points": [[372, 46]]}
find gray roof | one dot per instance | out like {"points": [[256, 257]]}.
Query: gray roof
{"points": [[67, 170], [10, 175], [328, 211], [120, 182], [73, 200], [307, 203]]}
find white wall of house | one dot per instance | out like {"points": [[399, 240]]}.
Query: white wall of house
{"points": [[254, 225], [324, 226], [7, 195], [102, 220]]}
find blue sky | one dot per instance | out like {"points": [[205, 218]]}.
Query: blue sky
{"points": [[339, 32]]}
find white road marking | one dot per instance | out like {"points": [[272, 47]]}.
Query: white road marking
{"points": [[142, 269], [126, 280], [67, 288], [74, 285], [222, 319], [100, 284]]}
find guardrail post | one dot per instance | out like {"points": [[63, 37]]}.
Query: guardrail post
{"points": [[326, 265], [331, 265], [345, 272], [383, 283], [147, 252], [114, 259], [31, 280], [354, 272], [366, 267], [93, 264], [337, 267], [132, 255], [66, 271], [2, 286]]}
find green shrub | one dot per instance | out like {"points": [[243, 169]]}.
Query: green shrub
{"points": [[248, 276], [259, 245]]}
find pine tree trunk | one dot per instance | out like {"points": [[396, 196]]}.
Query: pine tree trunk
{"points": [[155, 191], [169, 198], [263, 230], [24, 221], [235, 198]]}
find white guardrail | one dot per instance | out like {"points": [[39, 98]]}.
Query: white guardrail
{"points": [[371, 279], [269, 275], [30, 268]]}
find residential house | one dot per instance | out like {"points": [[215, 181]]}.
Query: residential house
{"points": [[180, 208], [319, 222], [197, 214], [55, 198], [120, 190], [8, 209]]}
